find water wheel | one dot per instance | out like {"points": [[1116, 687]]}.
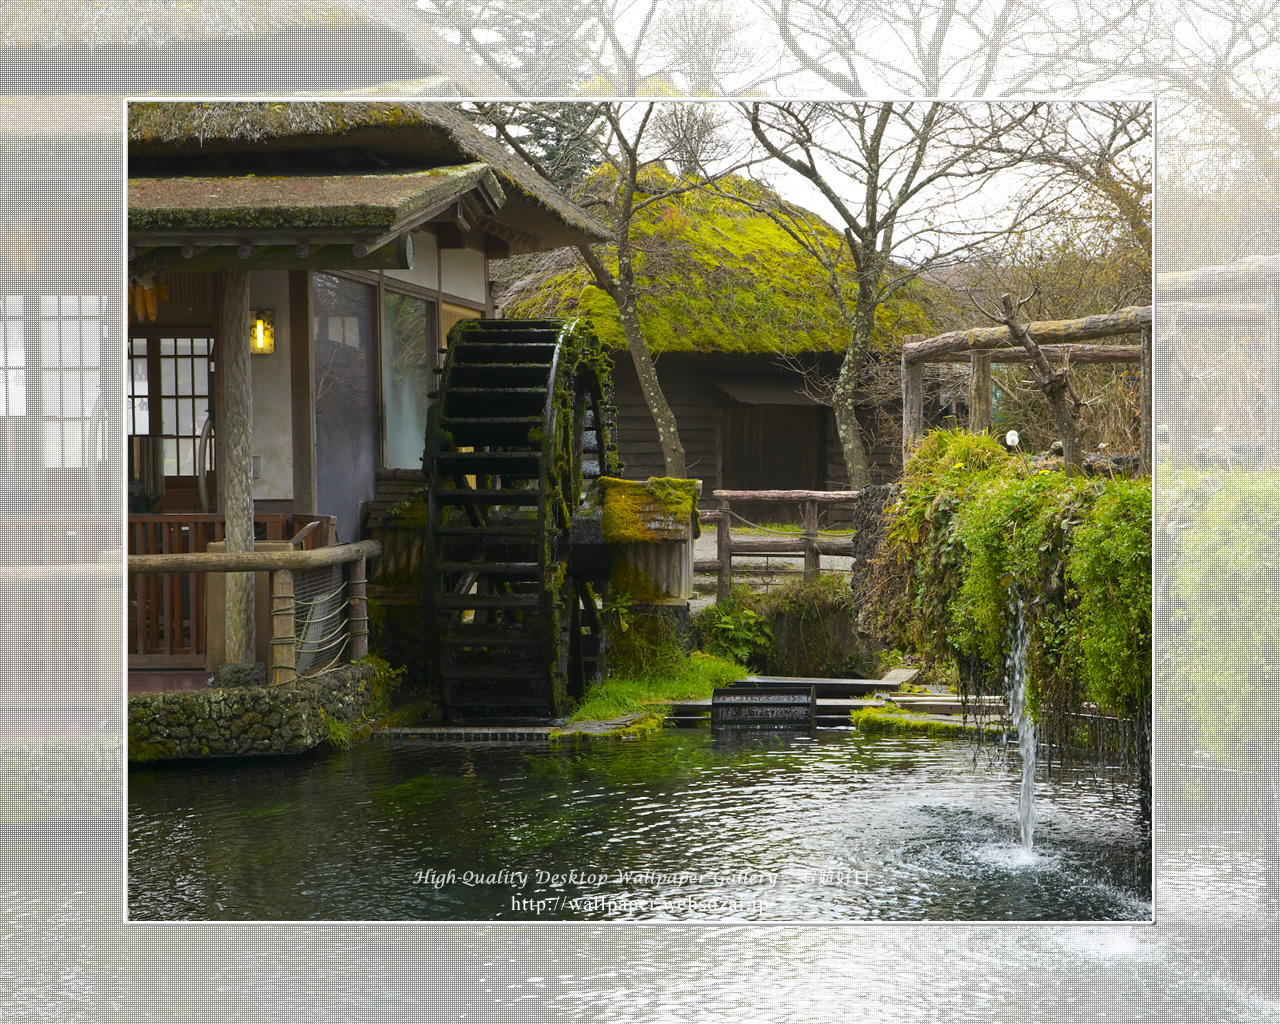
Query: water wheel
{"points": [[521, 427]]}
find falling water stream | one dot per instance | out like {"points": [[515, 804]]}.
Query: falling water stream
{"points": [[1015, 683]]}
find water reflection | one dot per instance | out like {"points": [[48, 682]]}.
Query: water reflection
{"points": [[825, 827]]}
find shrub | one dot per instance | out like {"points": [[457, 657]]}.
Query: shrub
{"points": [[974, 531]]}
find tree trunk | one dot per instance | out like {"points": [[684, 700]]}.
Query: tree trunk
{"points": [[624, 298], [857, 465], [1056, 389], [663, 418], [236, 464]]}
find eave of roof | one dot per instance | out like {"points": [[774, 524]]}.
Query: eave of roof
{"points": [[404, 133], [371, 208]]}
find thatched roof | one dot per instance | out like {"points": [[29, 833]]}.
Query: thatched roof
{"points": [[159, 23], [305, 206], [714, 275], [396, 135]]}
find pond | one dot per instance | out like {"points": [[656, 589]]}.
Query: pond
{"points": [[684, 826]]}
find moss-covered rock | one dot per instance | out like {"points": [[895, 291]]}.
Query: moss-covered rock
{"points": [[657, 509]]}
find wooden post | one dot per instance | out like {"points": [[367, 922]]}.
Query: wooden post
{"points": [[811, 564], [236, 469], [724, 551], [1146, 423], [283, 628], [980, 415], [358, 609], [1273, 368], [912, 400]]}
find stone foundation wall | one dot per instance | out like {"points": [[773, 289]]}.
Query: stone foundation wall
{"points": [[224, 721]]}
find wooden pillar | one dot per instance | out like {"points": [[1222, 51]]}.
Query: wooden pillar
{"points": [[980, 415], [724, 552], [811, 557], [1146, 420], [1273, 369], [283, 628], [235, 462], [912, 401], [357, 609], [301, 392]]}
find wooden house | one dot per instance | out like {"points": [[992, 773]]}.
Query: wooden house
{"points": [[742, 326], [294, 269]]}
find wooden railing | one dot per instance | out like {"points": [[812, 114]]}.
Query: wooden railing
{"points": [[167, 611], [808, 543], [282, 565]]}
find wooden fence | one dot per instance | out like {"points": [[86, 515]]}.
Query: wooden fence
{"points": [[282, 565], [1060, 340], [808, 543], [167, 610]]}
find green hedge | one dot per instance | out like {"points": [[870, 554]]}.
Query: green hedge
{"points": [[977, 529]]}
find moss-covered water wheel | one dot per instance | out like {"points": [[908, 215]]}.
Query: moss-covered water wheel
{"points": [[521, 427]]}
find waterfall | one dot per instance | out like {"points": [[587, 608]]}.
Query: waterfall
{"points": [[1015, 685]]}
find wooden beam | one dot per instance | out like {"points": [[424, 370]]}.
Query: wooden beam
{"points": [[393, 256], [821, 497], [1146, 418], [284, 641], [1272, 402], [1072, 353], [1131, 320], [253, 561], [301, 392], [912, 400], [1192, 284], [236, 469], [980, 415]]}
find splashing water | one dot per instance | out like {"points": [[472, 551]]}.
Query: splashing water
{"points": [[1015, 684]]}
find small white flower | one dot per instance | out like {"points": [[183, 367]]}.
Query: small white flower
{"points": [[1102, 444], [1011, 439]]}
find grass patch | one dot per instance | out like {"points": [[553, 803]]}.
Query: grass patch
{"points": [[692, 678], [796, 528], [875, 720]]}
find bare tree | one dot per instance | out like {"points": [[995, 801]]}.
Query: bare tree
{"points": [[903, 179], [628, 181], [928, 48]]}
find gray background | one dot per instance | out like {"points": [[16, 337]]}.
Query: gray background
{"points": [[64, 953]]}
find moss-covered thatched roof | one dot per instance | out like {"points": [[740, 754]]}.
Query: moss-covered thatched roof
{"points": [[399, 135], [714, 276]]}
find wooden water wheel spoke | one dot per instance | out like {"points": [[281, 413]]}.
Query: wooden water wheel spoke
{"points": [[520, 430]]}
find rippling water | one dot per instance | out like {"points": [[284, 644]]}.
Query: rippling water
{"points": [[680, 827]]}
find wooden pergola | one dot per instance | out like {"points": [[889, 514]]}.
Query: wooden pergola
{"points": [[1062, 342]]}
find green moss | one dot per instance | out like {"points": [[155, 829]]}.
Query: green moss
{"points": [[875, 720], [976, 534], [637, 512], [633, 728], [411, 513], [715, 276]]}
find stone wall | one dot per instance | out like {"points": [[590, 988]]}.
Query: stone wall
{"points": [[230, 720]]}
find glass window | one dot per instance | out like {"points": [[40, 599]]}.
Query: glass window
{"points": [[71, 329], [407, 360], [182, 368]]}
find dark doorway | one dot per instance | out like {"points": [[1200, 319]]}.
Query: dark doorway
{"points": [[772, 448]]}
